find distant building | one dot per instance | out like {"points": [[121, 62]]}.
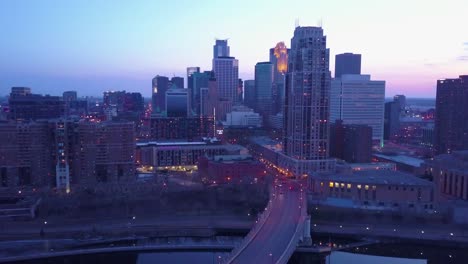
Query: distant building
{"points": [[249, 93], [279, 58], [177, 81], [124, 105], [358, 100], [69, 96], [226, 70], [352, 143], [401, 100], [378, 190], [277, 121], [27, 106], [198, 81], [427, 139], [450, 174], [403, 162], [181, 128], [306, 112], [190, 72], [242, 116], [221, 48], [264, 88], [451, 126], [160, 85], [176, 102], [391, 120], [347, 63]]}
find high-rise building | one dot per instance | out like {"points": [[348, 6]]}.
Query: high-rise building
{"points": [[160, 85], [69, 96], [221, 48], [306, 113], [240, 91], [177, 81], [181, 128], [451, 126], [347, 63], [352, 143], [176, 102], [190, 72], [279, 59], [401, 100], [27, 106], [198, 80], [226, 70], [249, 93], [264, 88], [391, 119], [356, 99]]}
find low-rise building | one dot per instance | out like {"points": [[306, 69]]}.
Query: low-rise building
{"points": [[381, 190], [231, 168]]}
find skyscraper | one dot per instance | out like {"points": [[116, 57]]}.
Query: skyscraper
{"points": [[347, 63], [279, 59], [226, 70], [177, 81], [391, 119], [221, 48], [401, 100], [249, 93], [190, 72], [264, 88], [451, 126], [306, 110], [358, 100], [176, 102], [160, 85], [199, 80]]}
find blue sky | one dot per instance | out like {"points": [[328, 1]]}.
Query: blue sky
{"points": [[93, 46]]}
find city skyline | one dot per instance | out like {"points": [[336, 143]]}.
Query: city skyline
{"points": [[123, 46]]}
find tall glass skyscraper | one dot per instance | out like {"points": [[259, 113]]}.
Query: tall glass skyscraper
{"points": [[264, 88], [221, 48], [306, 111], [160, 85]]}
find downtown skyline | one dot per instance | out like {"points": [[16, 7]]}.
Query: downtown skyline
{"points": [[94, 47]]}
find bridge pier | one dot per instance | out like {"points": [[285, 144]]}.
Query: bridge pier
{"points": [[307, 239]]}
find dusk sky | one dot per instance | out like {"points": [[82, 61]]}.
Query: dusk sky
{"points": [[93, 46]]}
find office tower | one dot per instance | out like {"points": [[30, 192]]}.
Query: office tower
{"points": [[279, 59], [226, 70], [209, 100], [347, 63], [177, 81], [190, 72], [69, 96], [307, 103], [199, 80], [159, 88], [221, 48], [176, 102], [352, 143], [27, 106], [451, 126], [114, 99], [401, 99], [249, 93], [356, 99], [391, 119], [240, 91], [264, 88]]}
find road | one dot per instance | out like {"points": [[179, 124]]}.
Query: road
{"points": [[276, 233]]}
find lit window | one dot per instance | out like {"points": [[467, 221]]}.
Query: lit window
{"points": [[359, 186], [331, 184], [342, 185], [321, 184], [374, 187], [366, 187], [337, 185], [349, 186]]}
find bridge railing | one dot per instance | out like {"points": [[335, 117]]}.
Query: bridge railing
{"points": [[298, 233], [254, 230]]}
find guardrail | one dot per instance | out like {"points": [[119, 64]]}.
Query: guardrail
{"points": [[298, 233], [254, 230]]}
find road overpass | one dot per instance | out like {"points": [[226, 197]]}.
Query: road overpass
{"points": [[277, 232]]}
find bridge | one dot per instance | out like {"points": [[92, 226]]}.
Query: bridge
{"points": [[278, 230]]}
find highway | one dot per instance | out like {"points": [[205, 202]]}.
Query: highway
{"points": [[273, 238]]}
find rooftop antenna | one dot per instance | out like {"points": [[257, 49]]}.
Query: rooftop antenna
{"points": [[320, 22], [296, 23]]}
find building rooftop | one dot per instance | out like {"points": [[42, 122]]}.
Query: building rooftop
{"points": [[381, 177], [268, 143], [232, 158], [411, 161]]}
